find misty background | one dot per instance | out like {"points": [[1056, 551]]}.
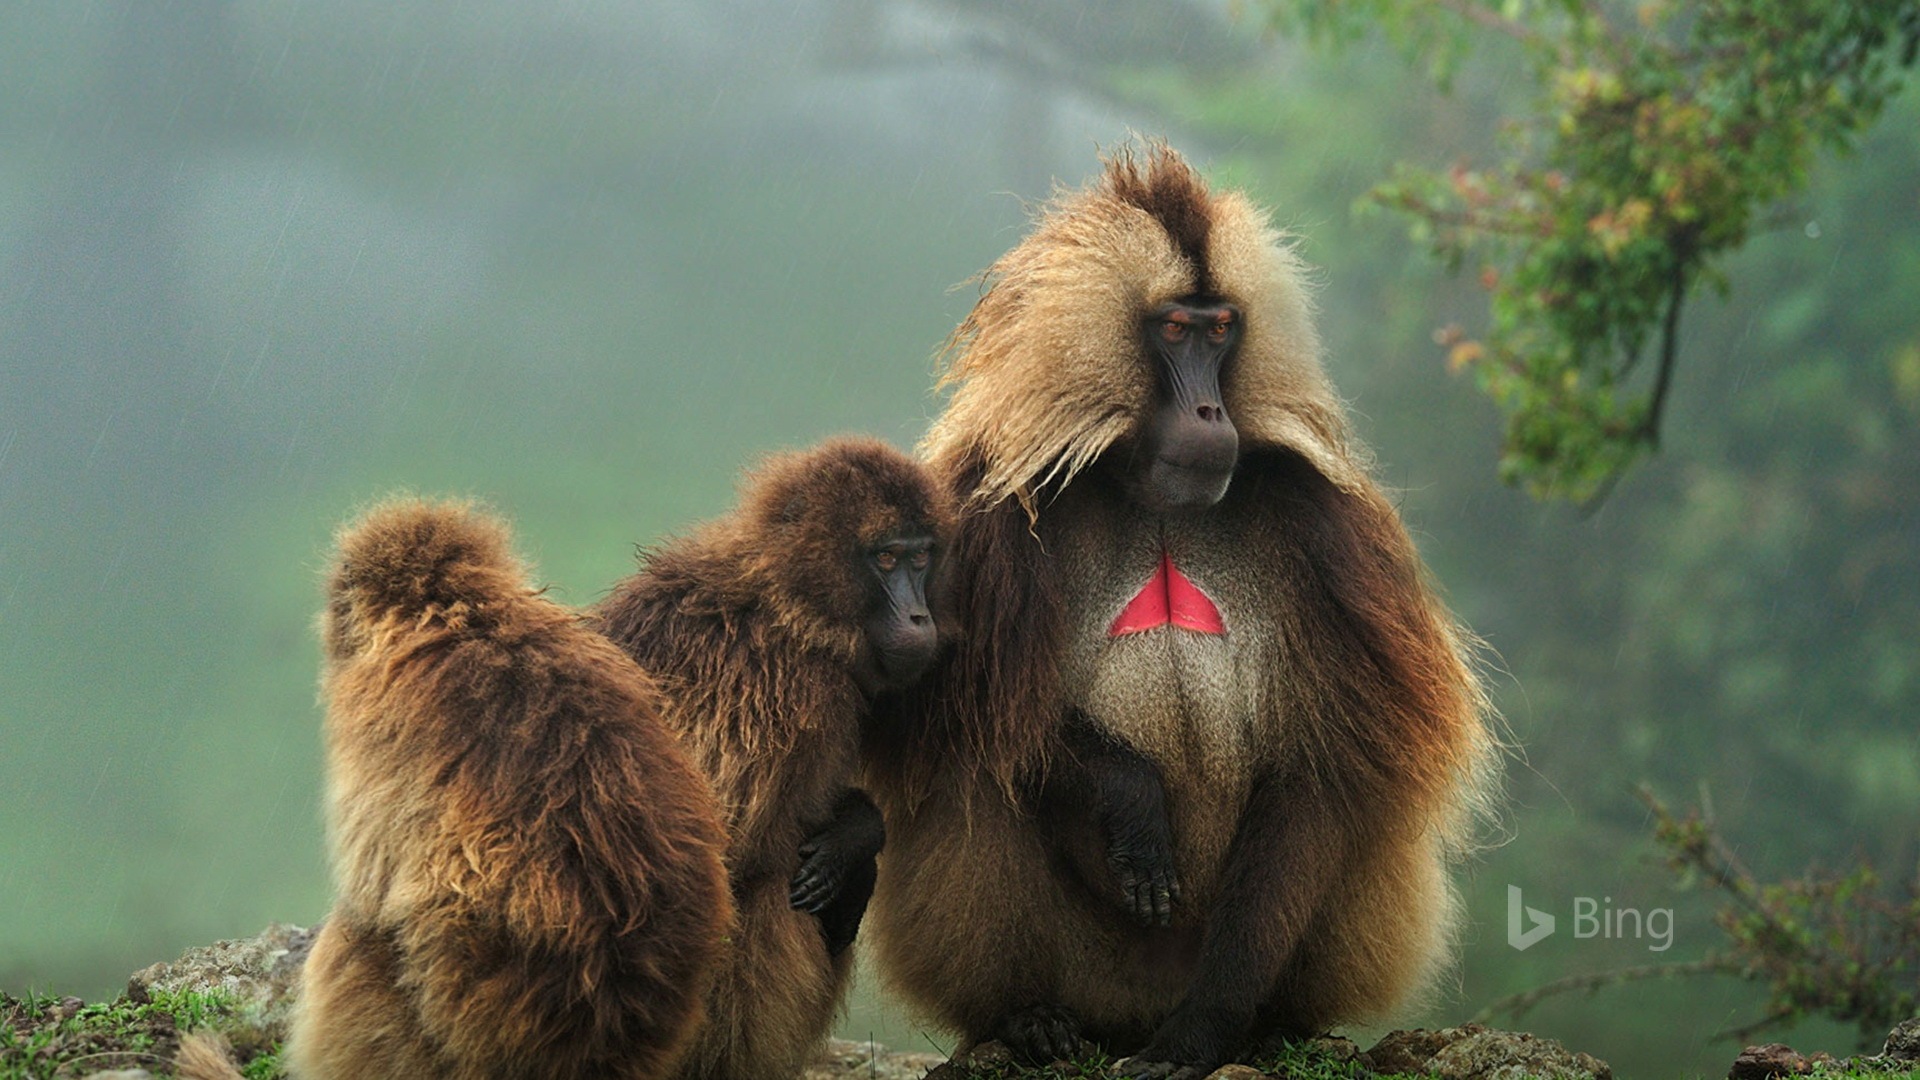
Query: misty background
{"points": [[263, 262]]}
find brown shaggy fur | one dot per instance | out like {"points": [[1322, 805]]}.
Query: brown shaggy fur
{"points": [[1323, 760], [753, 626], [527, 867], [205, 1055]]}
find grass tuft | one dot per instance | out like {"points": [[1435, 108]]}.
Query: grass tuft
{"points": [[43, 1037]]}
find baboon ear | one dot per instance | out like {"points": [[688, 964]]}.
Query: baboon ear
{"points": [[794, 510]]}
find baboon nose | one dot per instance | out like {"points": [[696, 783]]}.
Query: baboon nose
{"points": [[1211, 414]]}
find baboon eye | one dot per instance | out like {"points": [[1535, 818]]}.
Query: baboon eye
{"points": [[1218, 330], [1173, 331], [886, 561], [921, 559]]}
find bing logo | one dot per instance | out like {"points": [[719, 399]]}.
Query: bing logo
{"points": [[1518, 935], [1527, 927]]}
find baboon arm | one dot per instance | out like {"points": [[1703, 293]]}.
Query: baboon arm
{"points": [[1129, 801], [1286, 852]]}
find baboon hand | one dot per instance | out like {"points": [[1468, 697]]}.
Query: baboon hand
{"points": [[1149, 887], [1127, 797], [835, 855], [1041, 1035], [822, 874]]}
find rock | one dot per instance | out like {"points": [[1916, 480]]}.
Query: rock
{"points": [[1900, 1054], [1409, 1051], [1773, 1059], [260, 973], [1337, 1049], [1508, 1055], [1903, 1043], [987, 1056], [841, 1058], [1473, 1052], [990, 1054]]}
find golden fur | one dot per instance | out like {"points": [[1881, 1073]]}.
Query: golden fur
{"points": [[527, 867], [1323, 760], [753, 626], [1048, 372], [205, 1055]]}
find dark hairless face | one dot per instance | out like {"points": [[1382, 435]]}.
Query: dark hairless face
{"points": [[900, 630], [1189, 447]]}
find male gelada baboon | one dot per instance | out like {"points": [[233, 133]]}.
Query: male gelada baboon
{"points": [[771, 630], [1194, 771], [527, 866]]}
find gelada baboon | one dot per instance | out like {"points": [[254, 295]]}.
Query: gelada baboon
{"points": [[1207, 741], [527, 866], [771, 630]]}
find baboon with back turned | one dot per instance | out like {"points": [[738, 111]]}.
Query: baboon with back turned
{"points": [[526, 865], [772, 630]]}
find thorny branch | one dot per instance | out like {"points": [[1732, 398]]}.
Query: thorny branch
{"points": [[1517, 1005], [1822, 945]]}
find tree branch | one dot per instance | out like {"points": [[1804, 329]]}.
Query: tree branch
{"points": [[1669, 341], [1508, 225], [1517, 1005], [1493, 20], [1744, 1033]]}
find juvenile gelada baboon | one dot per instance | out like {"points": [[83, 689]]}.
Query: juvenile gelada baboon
{"points": [[527, 866], [1196, 767], [772, 630]]}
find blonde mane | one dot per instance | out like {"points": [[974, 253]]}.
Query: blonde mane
{"points": [[1037, 391]]}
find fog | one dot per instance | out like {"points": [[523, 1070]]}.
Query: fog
{"points": [[263, 262]]}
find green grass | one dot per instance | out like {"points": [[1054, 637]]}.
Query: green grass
{"points": [[264, 1066], [1314, 1061], [1310, 1060], [42, 1036], [1093, 1067]]}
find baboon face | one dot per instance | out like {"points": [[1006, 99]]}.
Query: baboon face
{"points": [[900, 634], [842, 545], [1186, 452]]}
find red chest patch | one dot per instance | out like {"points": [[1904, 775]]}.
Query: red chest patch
{"points": [[1168, 597]]}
